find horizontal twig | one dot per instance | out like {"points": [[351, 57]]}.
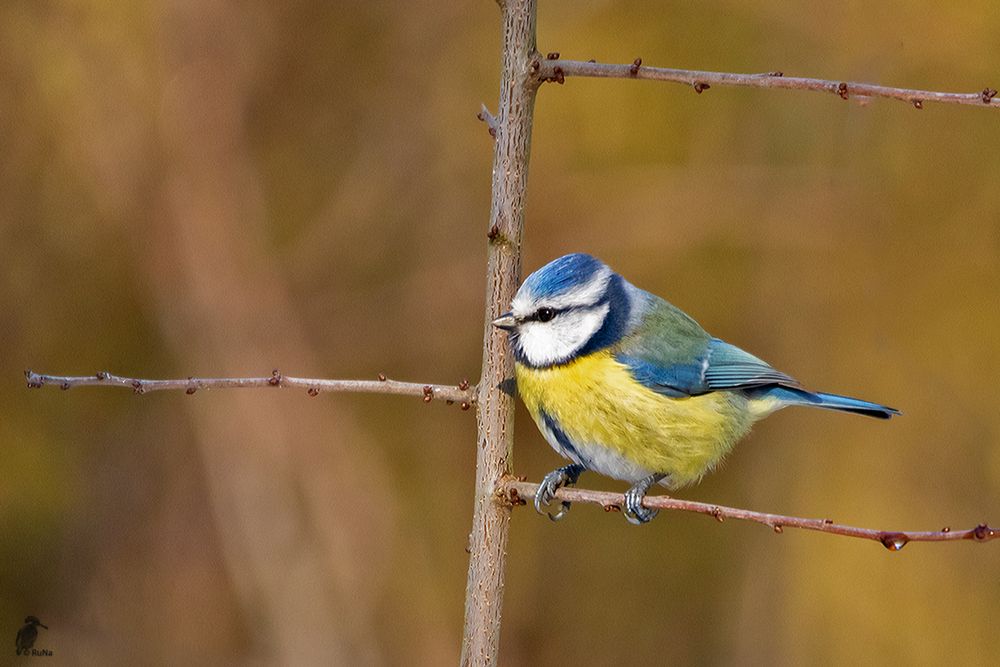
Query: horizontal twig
{"points": [[464, 394], [557, 70], [515, 491]]}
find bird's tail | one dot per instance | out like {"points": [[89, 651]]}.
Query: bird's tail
{"points": [[795, 396]]}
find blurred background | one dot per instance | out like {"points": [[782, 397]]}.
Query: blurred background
{"points": [[220, 188]]}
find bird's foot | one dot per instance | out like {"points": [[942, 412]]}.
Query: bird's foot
{"points": [[565, 476], [633, 510]]}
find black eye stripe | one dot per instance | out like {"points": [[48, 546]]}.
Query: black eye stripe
{"points": [[552, 313]]}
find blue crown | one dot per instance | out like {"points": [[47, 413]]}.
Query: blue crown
{"points": [[560, 275]]}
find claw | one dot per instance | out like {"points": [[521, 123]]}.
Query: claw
{"points": [[565, 476], [633, 509]]}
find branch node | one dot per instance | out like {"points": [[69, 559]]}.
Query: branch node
{"points": [[275, 380], [700, 86], [776, 73], [988, 95], [559, 76], [918, 104], [778, 528], [190, 390], [381, 377], [428, 393], [465, 405], [313, 391], [634, 67], [842, 90], [535, 66], [717, 513], [612, 508], [946, 529], [494, 233], [102, 375], [464, 384], [137, 387], [552, 55], [64, 386], [982, 532]]}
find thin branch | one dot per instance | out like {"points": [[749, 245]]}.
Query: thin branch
{"points": [[495, 409], [515, 491], [463, 393], [557, 70]]}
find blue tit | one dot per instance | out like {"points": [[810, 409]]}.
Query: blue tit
{"points": [[625, 384]]}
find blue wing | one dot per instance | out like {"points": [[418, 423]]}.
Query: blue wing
{"points": [[716, 365]]}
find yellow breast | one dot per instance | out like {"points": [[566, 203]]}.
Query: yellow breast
{"points": [[623, 427]]}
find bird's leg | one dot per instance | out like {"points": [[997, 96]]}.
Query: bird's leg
{"points": [[633, 510], [565, 476]]}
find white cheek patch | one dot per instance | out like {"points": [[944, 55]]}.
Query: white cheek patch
{"points": [[547, 343]]}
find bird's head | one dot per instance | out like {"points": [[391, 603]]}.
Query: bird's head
{"points": [[572, 306], [33, 620]]}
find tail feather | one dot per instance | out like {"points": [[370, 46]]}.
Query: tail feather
{"points": [[794, 396]]}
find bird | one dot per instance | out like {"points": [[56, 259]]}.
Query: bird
{"points": [[27, 635], [622, 383]]}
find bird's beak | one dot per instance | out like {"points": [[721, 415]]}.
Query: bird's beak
{"points": [[44, 626], [505, 322]]}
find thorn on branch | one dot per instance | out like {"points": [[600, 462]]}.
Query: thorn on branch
{"points": [[64, 386], [776, 73], [918, 104], [102, 375], [275, 380], [558, 76], [634, 67], [717, 513], [428, 393], [190, 390], [381, 377], [946, 529], [464, 384], [552, 55], [988, 95], [778, 528], [30, 377], [592, 60], [488, 118], [842, 90], [137, 387], [464, 405], [700, 86]]}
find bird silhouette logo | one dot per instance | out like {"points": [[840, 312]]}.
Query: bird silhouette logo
{"points": [[27, 635]]}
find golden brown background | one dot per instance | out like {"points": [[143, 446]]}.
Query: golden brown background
{"points": [[222, 188]]}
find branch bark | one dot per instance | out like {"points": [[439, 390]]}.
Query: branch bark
{"points": [[491, 516], [557, 70], [462, 393], [515, 491]]}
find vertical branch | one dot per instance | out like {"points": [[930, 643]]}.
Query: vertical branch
{"points": [[495, 409]]}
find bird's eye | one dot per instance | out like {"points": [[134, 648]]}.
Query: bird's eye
{"points": [[545, 314]]}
